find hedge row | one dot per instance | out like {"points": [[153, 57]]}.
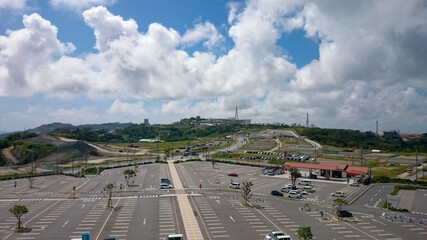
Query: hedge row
{"points": [[385, 179]]}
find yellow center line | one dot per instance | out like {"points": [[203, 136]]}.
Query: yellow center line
{"points": [[188, 215], [182, 198]]}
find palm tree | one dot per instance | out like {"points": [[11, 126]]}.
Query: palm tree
{"points": [[294, 172]]}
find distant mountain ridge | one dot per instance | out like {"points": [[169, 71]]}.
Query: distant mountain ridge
{"points": [[57, 126]]}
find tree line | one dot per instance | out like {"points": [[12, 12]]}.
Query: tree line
{"points": [[345, 138]]}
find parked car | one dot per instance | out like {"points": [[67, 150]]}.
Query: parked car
{"points": [[233, 174], [305, 182], [276, 193], [338, 194], [309, 189], [354, 184], [294, 194], [235, 185], [285, 237], [344, 213], [286, 189], [301, 191], [274, 234]]}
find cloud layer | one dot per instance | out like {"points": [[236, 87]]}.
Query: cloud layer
{"points": [[371, 66]]}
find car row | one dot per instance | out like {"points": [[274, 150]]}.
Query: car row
{"points": [[291, 194], [304, 191]]}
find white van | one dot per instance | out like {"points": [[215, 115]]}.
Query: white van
{"points": [[235, 185], [305, 182]]}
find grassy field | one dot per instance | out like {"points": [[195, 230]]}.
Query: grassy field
{"points": [[388, 171]]}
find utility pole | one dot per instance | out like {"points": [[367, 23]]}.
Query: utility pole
{"points": [[86, 153], [416, 164], [157, 149], [127, 153], [57, 162]]}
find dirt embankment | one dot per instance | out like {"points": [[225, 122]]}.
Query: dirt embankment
{"points": [[9, 155], [69, 150]]}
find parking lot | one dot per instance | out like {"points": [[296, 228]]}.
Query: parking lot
{"points": [[143, 211]]}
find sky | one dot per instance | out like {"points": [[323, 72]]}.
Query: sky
{"points": [[347, 64]]}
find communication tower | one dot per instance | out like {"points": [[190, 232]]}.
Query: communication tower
{"points": [[307, 123]]}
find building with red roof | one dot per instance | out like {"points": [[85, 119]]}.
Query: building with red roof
{"points": [[330, 169]]}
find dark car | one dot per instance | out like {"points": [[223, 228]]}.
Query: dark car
{"points": [[277, 193], [233, 174], [344, 213], [165, 180]]}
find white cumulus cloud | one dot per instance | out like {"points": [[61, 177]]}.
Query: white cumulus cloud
{"points": [[12, 4], [371, 65], [128, 109], [206, 31], [77, 5]]}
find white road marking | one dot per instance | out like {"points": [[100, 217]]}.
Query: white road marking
{"points": [[64, 224]]}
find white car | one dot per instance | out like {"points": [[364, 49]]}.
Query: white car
{"points": [[301, 192], [165, 185], [294, 194], [285, 237], [305, 182], [274, 234], [235, 185], [354, 184], [338, 194], [309, 189]]}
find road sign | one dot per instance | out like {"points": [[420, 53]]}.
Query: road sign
{"points": [[392, 199]]}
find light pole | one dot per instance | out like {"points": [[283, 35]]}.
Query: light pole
{"points": [[416, 164]]}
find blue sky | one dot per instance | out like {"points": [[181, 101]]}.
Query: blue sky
{"points": [[347, 64]]}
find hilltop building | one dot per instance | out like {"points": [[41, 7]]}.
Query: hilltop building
{"points": [[391, 133]]}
